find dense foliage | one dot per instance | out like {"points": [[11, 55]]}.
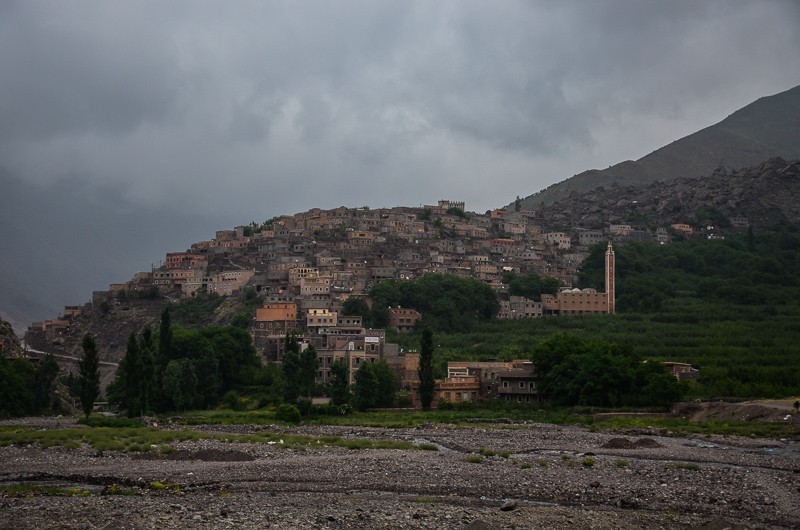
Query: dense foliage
{"points": [[530, 286], [744, 270], [182, 369], [448, 303], [729, 307], [601, 374], [374, 387]]}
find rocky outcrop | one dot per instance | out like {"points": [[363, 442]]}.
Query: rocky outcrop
{"points": [[766, 194], [9, 343]]}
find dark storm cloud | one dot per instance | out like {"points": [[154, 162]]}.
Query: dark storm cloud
{"points": [[188, 97], [135, 126]]}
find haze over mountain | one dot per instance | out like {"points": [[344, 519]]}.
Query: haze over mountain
{"points": [[768, 127]]}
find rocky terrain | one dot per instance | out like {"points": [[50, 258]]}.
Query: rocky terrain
{"points": [[765, 194], [9, 343], [542, 476]]}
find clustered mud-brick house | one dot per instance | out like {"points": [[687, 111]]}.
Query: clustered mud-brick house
{"points": [[304, 266]]}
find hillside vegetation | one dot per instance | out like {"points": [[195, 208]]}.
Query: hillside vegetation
{"points": [[729, 307]]}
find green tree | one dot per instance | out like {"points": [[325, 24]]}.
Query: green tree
{"points": [[45, 376], [165, 337], [309, 364], [531, 286], [181, 383], [387, 384], [125, 387], [146, 370], [89, 374], [375, 386], [291, 369], [425, 370], [339, 384], [356, 306], [16, 395]]}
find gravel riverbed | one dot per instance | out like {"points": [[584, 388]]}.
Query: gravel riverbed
{"points": [[543, 476]]}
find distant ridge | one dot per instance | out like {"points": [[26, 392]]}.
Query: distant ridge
{"points": [[764, 129]]}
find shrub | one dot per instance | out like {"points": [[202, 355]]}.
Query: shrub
{"points": [[621, 462], [288, 413], [475, 459], [231, 400], [305, 407], [588, 461]]}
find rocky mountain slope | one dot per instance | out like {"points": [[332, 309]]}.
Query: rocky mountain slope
{"points": [[9, 343], [767, 128], [764, 194]]}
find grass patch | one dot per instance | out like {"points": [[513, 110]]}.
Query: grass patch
{"points": [[588, 462], [685, 465], [475, 459], [26, 489], [543, 462], [424, 500], [162, 487], [621, 463], [525, 465], [488, 453], [115, 489], [110, 421], [504, 454], [145, 439]]}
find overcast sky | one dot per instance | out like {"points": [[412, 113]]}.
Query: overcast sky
{"points": [[240, 111]]}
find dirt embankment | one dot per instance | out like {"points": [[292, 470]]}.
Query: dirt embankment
{"points": [[772, 410]]}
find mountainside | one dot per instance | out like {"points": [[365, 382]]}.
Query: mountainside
{"points": [[767, 128], [9, 343], [765, 194]]}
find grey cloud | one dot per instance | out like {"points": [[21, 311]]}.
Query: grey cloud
{"points": [[236, 104]]}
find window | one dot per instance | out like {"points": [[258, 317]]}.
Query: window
{"points": [[505, 384], [522, 384]]}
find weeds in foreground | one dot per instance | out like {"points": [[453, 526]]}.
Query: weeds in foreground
{"points": [[145, 439], [685, 465]]}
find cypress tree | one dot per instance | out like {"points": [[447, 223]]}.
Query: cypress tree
{"points": [[425, 371], [89, 374]]}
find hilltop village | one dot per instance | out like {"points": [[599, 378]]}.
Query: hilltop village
{"points": [[304, 267]]}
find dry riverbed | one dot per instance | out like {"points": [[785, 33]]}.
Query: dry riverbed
{"points": [[483, 476]]}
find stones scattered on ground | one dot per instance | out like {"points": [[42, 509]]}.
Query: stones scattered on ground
{"points": [[624, 443], [544, 476]]}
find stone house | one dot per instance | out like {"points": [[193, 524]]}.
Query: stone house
{"points": [[403, 319]]}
